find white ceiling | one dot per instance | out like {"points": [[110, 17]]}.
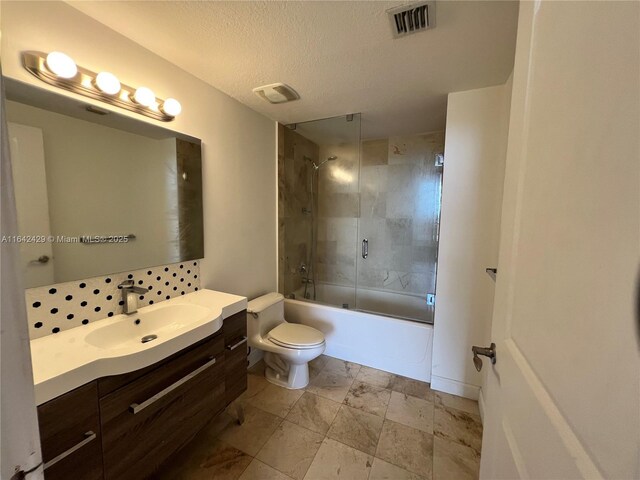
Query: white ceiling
{"points": [[339, 56]]}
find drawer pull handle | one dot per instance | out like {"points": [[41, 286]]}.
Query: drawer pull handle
{"points": [[88, 437], [138, 407], [236, 345]]}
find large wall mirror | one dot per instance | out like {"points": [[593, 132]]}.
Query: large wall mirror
{"points": [[99, 193]]}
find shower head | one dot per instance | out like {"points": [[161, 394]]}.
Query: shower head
{"points": [[329, 159]]}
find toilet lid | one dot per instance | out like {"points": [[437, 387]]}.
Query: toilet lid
{"points": [[296, 335]]}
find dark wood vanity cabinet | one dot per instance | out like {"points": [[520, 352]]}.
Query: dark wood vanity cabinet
{"points": [[150, 418], [128, 425], [70, 435]]}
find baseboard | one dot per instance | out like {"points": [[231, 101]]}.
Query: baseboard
{"points": [[481, 405], [455, 387]]}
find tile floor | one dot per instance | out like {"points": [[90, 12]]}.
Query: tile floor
{"points": [[352, 422]]}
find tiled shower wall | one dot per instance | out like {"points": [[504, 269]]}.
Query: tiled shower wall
{"points": [[295, 156], [395, 205], [54, 308], [387, 191]]}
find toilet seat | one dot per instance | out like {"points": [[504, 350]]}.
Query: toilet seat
{"points": [[293, 335]]}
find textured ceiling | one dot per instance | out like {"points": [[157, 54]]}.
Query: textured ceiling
{"points": [[339, 56]]}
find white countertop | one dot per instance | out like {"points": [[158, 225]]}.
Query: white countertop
{"points": [[66, 360]]}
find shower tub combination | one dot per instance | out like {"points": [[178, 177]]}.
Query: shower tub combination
{"points": [[357, 240]]}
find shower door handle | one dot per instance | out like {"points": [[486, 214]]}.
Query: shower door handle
{"points": [[365, 248]]}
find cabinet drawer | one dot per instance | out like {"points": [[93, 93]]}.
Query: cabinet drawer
{"points": [[235, 326], [107, 385], [70, 435], [147, 420], [235, 336], [235, 366]]}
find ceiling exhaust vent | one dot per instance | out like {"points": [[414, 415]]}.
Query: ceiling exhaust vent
{"points": [[414, 18], [276, 93]]}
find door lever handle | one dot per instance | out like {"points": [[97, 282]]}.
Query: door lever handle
{"points": [[485, 351]]}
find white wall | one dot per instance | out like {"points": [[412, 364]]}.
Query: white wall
{"points": [[475, 147], [238, 144]]}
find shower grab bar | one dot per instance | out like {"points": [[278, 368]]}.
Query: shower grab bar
{"points": [[365, 248]]}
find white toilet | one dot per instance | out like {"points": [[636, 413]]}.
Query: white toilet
{"points": [[288, 347]]}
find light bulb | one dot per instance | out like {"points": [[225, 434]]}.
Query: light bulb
{"points": [[108, 83], [144, 96], [61, 65], [171, 107]]}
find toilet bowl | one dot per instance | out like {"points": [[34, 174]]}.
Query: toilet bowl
{"points": [[288, 347]]}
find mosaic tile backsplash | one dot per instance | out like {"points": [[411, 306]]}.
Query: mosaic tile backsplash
{"points": [[54, 308]]}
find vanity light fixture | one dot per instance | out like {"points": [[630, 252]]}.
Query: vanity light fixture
{"points": [[58, 69], [172, 107], [61, 65], [108, 83], [145, 97]]}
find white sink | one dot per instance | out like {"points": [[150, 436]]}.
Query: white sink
{"points": [[160, 323], [112, 346]]}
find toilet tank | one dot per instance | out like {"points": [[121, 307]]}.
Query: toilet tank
{"points": [[269, 309]]}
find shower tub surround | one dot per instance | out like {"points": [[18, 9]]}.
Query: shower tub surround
{"points": [[385, 190], [294, 208], [377, 301], [54, 308], [396, 204]]}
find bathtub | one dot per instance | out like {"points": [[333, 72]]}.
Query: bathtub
{"points": [[394, 345]]}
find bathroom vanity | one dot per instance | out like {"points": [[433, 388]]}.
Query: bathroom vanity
{"points": [[127, 424]]}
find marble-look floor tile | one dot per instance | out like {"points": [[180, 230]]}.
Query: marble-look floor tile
{"points": [[257, 428], [459, 403], [205, 461], [407, 448], [276, 400], [261, 471], [335, 461], [411, 387], [375, 377], [452, 460], [411, 411], [257, 369], [382, 470], [316, 365], [291, 449], [368, 398], [331, 386], [357, 429], [458, 426], [255, 384], [341, 367], [314, 412]]}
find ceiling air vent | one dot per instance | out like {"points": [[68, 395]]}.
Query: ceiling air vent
{"points": [[414, 18]]}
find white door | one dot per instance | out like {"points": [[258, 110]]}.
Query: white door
{"points": [[563, 400], [30, 187]]}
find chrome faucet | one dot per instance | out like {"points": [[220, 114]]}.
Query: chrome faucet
{"points": [[129, 296]]}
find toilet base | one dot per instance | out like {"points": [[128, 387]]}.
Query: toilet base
{"points": [[295, 379]]}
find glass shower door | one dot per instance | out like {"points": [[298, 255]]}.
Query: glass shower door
{"points": [[400, 192], [320, 209]]}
